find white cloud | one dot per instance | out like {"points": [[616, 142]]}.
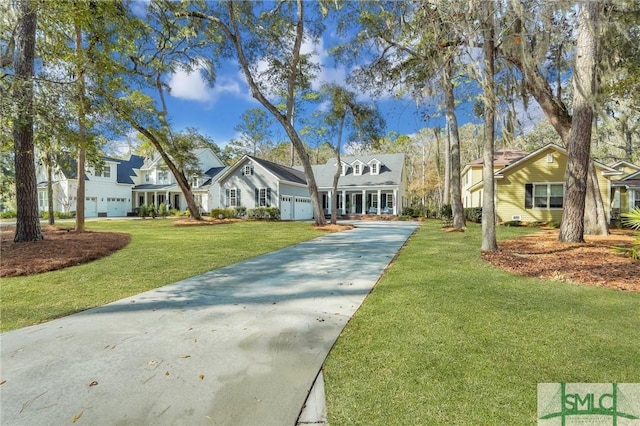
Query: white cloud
{"points": [[193, 86]]}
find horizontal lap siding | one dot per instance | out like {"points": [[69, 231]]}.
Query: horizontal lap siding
{"points": [[511, 188]]}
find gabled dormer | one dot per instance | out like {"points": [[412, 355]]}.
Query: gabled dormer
{"points": [[358, 167], [345, 168], [374, 166]]}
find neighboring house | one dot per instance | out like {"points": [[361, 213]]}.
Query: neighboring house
{"points": [[120, 186], [107, 189], [625, 188], [253, 182], [368, 184], [529, 187], [155, 184]]}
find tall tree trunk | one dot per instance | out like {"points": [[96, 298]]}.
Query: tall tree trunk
{"points": [[454, 177], [27, 220], [82, 135], [49, 165], [595, 222], [489, 242], [579, 146], [446, 194]]}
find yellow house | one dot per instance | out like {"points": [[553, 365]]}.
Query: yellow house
{"points": [[625, 188], [530, 188]]}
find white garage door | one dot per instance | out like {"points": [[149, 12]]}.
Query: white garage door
{"points": [[91, 207], [116, 207], [302, 209], [286, 204]]}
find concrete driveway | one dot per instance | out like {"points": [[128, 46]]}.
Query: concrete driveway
{"points": [[240, 345]]}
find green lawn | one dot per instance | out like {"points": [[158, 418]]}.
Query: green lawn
{"points": [[159, 253], [446, 338]]}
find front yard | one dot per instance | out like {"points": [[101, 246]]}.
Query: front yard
{"points": [[447, 338]]}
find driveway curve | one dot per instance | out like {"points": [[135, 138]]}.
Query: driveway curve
{"points": [[240, 345]]}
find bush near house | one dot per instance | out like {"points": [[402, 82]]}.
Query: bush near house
{"points": [[473, 214], [222, 213], [59, 215], [9, 214], [264, 213]]}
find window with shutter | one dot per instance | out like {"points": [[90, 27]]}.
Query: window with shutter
{"points": [[528, 196]]}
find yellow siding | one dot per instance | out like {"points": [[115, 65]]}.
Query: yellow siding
{"points": [[511, 189]]}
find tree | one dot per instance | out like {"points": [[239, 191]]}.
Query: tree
{"points": [[273, 36], [410, 47], [584, 81], [522, 47], [254, 133], [487, 29], [344, 113], [27, 220]]}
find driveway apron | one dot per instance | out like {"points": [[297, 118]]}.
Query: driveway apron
{"points": [[240, 345]]}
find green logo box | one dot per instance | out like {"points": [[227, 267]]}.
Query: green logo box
{"points": [[616, 404]]}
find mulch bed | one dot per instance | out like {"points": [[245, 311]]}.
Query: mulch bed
{"points": [[60, 248], [592, 263]]}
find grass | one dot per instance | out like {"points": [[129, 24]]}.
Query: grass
{"points": [[446, 338], [159, 253]]}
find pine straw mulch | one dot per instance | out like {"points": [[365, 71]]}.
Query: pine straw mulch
{"points": [[61, 248], [593, 263]]}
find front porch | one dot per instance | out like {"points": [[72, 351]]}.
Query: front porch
{"points": [[362, 202]]}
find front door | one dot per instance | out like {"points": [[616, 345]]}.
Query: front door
{"points": [[358, 203]]}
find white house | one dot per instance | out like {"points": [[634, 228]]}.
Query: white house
{"points": [[369, 184]]}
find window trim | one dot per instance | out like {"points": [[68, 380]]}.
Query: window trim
{"points": [[530, 195]]}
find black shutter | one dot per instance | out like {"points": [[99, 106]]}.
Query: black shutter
{"points": [[268, 197], [257, 197], [528, 196]]}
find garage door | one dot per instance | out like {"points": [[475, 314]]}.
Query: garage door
{"points": [[91, 207], [302, 209], [286, 210], [117, 207]]}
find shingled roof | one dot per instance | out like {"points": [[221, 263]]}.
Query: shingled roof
{"points": [[502, 157], [390, 172], [281, 172]]}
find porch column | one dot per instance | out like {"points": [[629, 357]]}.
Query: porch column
{"points": [[379, 200], [330, 199], [155, 199], [167, 200], [146, 201], [344, 201], [395, 202], [364, 201]]}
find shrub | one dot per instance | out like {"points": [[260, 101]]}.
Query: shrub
{"points": [[535, 224], [446, 212], [632, 220], [265, 213], [174, 212], [143, 211], [9, 214], [162, 210], [240, 211], [222, 213], [473, 214], [513, 223], [553, 224]]}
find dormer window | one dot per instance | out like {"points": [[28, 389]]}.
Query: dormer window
{"points": [[358, 167], [374, 166]]}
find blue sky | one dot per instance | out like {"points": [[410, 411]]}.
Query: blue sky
{"points": [[216, 110]]}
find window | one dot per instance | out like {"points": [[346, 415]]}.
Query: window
{"points": [[163, 176], [374, 168], [146, 177], [544, 196], [43, 201], [247, 170], [357, 169], [388, 200], [233, 197], [107, 171], [549, 158], [263, 197]]}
